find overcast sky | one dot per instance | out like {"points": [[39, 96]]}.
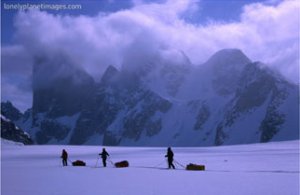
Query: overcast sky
{"points": [[107, 32]]}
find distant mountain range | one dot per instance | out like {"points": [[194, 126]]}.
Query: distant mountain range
{"points": [[227, 100]]}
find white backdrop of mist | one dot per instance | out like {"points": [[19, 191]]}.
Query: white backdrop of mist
{"points": [[266, 33]]}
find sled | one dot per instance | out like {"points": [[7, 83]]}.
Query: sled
{"points": [[195, 167], [122, 164], [78, 163]]}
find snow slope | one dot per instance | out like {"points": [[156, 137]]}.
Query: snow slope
{"points": [[260, 169]]}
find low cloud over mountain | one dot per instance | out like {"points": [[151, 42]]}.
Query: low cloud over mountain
{"points": [[144, 33]]}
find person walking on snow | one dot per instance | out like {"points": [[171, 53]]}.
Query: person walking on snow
{"points": [[64, 156], [170, 156], [104, 155]]}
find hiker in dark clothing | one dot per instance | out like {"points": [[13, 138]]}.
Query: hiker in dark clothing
{"points": [[64, 157], [104, 155], [170, 156]]}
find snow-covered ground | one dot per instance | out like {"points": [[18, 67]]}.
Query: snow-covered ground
{"points": [[256, 169]]}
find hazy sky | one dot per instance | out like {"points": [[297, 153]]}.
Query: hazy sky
{"points": [[106, 32]]}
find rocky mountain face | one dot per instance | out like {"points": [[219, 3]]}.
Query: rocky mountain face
{"points": [[264, 96], [56, 104], [120, 95], [10, 131], [11, 112], [227, 100]]}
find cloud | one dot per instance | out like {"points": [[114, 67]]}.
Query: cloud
{"points": [[265, 32], [16, 60], [16, 71], [277, 29]]}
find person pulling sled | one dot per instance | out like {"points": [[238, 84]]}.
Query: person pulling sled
{"points": [[170, 156], [104, 155], [64, 156]]}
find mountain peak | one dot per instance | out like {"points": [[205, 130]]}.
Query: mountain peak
{"points": [[227, 57], [109, 74]]}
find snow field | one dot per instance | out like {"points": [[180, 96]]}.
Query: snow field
{"points": [[271, 168]]}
